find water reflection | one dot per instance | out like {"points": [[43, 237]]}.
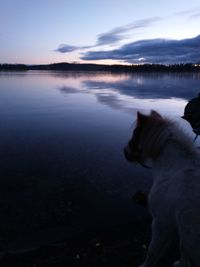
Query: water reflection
{"points": [[157, 87], [164, 92], [151, 85]]}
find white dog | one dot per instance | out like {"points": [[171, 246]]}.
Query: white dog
{"points": [[174, 199]]}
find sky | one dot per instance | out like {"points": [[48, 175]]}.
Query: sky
{"points": [[100, 31]]}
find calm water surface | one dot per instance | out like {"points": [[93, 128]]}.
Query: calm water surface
{"points": [[61, 148]]}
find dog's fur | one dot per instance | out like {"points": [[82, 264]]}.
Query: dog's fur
{"points": [[174, 199]]}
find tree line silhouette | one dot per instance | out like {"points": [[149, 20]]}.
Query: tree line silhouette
{"points": [[100, 67]]}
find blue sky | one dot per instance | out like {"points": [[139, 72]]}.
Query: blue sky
{"points": [[99, 31]]}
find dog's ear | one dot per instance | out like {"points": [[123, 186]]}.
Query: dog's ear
{"points": [[186, 117], [141, 118], [155, 114]]}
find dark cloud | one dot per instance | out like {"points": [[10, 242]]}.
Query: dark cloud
{"points": [[109, 38], [152, 51], [117, 34], [112, 37], [64, 48]]}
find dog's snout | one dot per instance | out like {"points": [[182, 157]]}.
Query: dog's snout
{"points": [[128, 154]]}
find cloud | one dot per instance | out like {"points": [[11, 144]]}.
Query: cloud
{"points": [[111, 37], [187, 12], [64, 48], [163, 51], [191, 13], [117, 34], [195, 15]]}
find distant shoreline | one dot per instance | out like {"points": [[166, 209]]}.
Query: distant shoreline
{"points": [[189, 67]]}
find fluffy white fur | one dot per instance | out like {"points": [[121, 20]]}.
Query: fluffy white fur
{"points": [[174, 199]]}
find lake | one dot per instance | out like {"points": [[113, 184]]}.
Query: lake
{"points": [[61, 149]]}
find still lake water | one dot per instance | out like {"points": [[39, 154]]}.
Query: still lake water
{"points": [[61, 148]]}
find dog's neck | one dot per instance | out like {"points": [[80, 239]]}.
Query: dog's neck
{"points": [[167, 141], [153, 140], [174, 158]]}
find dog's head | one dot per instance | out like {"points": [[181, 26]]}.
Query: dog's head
{"points": [[133, 151]]}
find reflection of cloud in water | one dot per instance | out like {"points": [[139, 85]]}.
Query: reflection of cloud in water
{"points": [[114, 101], [152, 86], [69, 90], [108, 97], [165, 92]]}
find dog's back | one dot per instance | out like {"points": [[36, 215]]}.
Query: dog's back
{"points": [[174, 199]]}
